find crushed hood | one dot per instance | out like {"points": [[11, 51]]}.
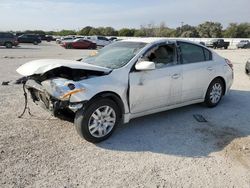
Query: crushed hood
{"points": [[44, 65]]}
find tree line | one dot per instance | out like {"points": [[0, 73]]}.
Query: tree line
{"points": [[204, 30]]}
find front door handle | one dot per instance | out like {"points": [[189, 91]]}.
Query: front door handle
{"points": [[176, 76], [210, 68]]}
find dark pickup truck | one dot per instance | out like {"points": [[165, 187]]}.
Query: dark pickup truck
{"points": [[218, 43]]}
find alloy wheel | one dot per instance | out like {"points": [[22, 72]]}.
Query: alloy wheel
{"points": [[215, 93], [102, 121]]}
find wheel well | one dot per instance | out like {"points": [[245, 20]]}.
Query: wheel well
{"points": [[110, 95], [223, 81]]}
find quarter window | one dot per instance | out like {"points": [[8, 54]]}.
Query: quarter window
{"points": [[208, 55]]}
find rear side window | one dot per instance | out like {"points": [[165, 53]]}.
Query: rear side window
{"points": [[191, 53]]}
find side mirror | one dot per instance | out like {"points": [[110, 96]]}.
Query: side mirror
{"points": [[145, 65]]}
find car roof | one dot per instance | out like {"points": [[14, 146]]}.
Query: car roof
{"points": [[146, 40], [157, 40]]}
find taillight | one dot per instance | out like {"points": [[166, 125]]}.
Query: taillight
{"points": [[229, 63]]}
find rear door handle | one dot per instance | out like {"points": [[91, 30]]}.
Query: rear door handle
{"points": [[176, 76], [210, 68]]}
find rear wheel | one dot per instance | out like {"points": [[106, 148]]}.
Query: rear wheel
{"points": [[98, 121], [214, 93], [8, 45], [35, 42]]}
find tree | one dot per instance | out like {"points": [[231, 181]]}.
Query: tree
{"points": [[210, 30], [139, 33], [126, 32], [244, 30], [85, 31], [38, 32], [231, 31], [66, 32], [109, 31], [94, 31], [186, 31], [235, 30]]}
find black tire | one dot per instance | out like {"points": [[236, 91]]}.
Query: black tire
{"points": [[209, 96], [8, 45], [35, 42], [226, 47], [82, 119], [69, 46]]}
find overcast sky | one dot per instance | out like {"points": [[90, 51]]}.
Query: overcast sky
{"points": [[75, 14]]}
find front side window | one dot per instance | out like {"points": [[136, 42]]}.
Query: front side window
{"points": [[115, 55], [162, 55], [191, 53]]}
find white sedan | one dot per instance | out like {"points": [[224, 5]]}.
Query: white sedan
{"points": [[128, 79]]}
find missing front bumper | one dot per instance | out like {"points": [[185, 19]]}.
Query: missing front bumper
{"points": [[48, 102]]}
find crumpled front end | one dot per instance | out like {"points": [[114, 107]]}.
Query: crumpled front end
{"points": [[57, 84], [55, 94]]}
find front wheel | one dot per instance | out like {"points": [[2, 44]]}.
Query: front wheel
{"points": [[98, 121], [35, 42], [214, 93], [8, 45], [69, 46]]}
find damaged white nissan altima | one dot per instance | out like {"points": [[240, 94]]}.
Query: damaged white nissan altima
{"points": [[128, 79]]}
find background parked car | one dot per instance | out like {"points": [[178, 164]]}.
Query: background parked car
{"points": [[247, 68], [8, 40], [79, 44], [218, 43], [64, 39], [99, 40], [29, 38], [47, 38], [113, 39], [202, 43], [243, 44]]}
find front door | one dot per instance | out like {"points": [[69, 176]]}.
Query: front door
{"points": [[156, 88]]}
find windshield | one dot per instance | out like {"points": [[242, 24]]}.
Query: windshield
{"points": [[115, 55]]}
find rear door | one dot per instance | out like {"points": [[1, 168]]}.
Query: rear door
{"points": [[198, 69]]}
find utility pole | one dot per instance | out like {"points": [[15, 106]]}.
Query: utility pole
{"points": [[181, 26]]}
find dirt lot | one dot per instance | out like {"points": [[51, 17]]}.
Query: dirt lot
{"points": [[168, 149]]}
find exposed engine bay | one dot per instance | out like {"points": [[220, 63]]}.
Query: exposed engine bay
{"points": [[67, 73]]}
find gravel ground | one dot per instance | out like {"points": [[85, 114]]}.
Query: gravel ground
{"points": [[168, 149]]}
